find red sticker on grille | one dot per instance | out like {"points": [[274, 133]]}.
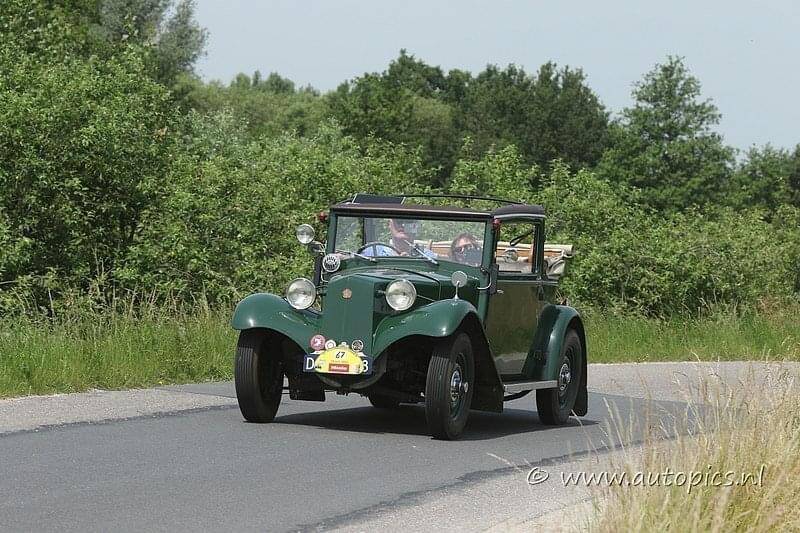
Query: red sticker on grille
{"points": [[339, 367]]}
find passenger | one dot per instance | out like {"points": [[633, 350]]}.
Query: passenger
{"points": [[466, 250]]}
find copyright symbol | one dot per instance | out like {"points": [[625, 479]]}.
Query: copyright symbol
{"points": [[537, 475]]}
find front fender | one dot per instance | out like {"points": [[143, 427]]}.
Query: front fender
{"points": [[262, 310], [542, 362], [438, 319]]}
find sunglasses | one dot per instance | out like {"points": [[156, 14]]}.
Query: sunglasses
{"points": [[464, 248]]}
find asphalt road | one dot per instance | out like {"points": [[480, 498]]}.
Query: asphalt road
{"points": [[318, 466]]}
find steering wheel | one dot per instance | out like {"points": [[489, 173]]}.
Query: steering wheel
{"points": [[374, 245]]}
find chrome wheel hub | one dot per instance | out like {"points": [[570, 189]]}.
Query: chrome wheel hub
{"points": [[456, 384], [564, 377]]}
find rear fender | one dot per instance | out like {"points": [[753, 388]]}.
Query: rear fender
{"points": [[542, 362]]}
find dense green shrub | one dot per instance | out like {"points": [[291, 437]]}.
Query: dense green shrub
{"points": [[226, 225], [634, 259], [111, 184], [84, 147]]}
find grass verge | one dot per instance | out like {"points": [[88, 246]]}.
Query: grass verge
{"points": [[735, 466], [726, 336], [113, 352], [122, 350]]}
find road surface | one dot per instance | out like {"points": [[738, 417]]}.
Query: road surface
{"points": [[192, 463]]}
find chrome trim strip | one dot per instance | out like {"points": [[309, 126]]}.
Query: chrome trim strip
{"points": [[519, 386]]}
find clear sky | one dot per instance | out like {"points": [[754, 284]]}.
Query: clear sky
{"points": [[745, 53]]}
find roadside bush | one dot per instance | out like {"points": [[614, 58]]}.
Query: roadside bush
{"points": [[226, 225], [84, 146], [631, 259]]}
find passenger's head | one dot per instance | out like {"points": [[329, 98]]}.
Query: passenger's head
{"points": [[465, 249]]}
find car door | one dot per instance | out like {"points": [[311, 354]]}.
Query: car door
{"points": [[514, 309]]}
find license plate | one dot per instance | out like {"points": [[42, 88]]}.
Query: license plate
{"points": [[338, 360]]}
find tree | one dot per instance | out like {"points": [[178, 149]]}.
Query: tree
{"points": [[794, 177], [762, 180], [275, 83], [169, 29], [553, 115], [84, 147], [267, 107], [181, 42], [665, 145], [50, 31], [405, 104]]}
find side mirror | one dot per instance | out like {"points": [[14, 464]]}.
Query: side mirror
{"points": [[458, 279]]}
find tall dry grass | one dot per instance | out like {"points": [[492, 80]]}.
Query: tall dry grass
{"points": [[751, 429]]}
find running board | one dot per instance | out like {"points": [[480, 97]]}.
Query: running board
{"points": [[520, 386]]}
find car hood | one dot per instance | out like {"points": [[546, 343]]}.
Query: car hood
{"points": [[354, 303]]}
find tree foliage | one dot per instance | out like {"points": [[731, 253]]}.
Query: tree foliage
{"points": [[665, 144], [265, 107], [631, 258], [121, 171], [225, 225], [168, 27], [83, 150], [553, 115], [402, 105]]}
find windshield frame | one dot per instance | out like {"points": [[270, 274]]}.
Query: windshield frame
{"points": [[487, 236]]}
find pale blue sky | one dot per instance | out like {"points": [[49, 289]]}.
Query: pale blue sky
{"points": [[746, 53]]}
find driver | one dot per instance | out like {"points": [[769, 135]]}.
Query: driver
{"points": [[465, 249], [403, 234], [403, 231]]}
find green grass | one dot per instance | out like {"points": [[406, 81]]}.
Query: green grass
{"points": [[120, 350], [113, 352], [720, 336]]}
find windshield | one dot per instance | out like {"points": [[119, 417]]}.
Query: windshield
{"points": [[460, 241]]}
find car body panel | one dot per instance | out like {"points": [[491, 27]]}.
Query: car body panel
{"points": [[268, 311], [437, 319], [542, 362], [511, 323]]}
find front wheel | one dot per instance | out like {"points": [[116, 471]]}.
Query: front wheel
{"points": [[258, 375], [555, 405], [449, 387]]}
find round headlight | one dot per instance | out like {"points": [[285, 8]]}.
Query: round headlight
{"points": [[301, 293], [400, 294], [304, 233]]}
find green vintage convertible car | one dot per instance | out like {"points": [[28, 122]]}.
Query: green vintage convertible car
{"points": [[442, 304]]}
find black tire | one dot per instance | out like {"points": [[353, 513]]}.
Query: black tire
{"points": [[556, 405], [383, 402], [449, 387], [258, 375]]}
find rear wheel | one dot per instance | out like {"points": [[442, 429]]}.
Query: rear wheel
{"points": [[258, 376], [449, 387], [383, 402], [555, 405]]}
